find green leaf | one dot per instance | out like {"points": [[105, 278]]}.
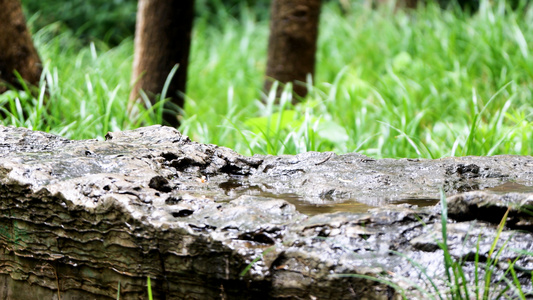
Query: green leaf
{"points": [[401, 61], [333, 132], [274, 122]]}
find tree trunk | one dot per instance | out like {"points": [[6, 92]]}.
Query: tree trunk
{"points": [[17, 52], [398, 4], [292, 42], [162, 40]]}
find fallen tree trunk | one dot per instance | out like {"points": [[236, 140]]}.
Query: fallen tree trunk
{"points": [[85, 219]]}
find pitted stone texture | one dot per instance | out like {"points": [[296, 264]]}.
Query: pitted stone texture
{"points": [[378, 182], [80, 218]]}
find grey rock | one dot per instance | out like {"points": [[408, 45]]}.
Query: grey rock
{"points": [[81, 218]]}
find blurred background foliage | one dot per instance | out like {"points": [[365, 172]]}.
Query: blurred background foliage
{"points": [[111, 21], [390, 83]]}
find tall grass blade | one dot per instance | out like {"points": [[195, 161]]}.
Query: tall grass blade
{"points": [[149, 287]]}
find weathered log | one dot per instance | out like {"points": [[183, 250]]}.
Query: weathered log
{"points": [[79, 219]]}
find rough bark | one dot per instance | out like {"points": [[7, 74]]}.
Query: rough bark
{"points": [[292, 43], [162, 40], [17, 52]]}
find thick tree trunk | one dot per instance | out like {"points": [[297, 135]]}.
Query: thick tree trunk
{"points": [[17, 52], [162, 40], [292, 42]]}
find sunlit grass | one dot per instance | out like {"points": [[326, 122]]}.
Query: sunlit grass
{"points": [[425, 83]]}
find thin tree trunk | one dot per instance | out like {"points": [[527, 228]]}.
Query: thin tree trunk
{"points": [[162, 40], [17, 52], [292, 42]]}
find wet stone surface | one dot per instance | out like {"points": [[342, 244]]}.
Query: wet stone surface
{"points": [[80, 217]]}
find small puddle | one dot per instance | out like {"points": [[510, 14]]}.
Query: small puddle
{"points": [[420, 202], [510, 187], [311, 209], [235, 188]]}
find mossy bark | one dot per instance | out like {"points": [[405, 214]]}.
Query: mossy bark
{"points": [[17, 52], [162, 40], [292, 42]]}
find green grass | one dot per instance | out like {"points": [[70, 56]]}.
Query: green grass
{"points": [[426, 83]]}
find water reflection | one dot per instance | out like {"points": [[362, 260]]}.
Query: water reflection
{"points": [[511, 187], [418, 202], [324, 206], [235, 188]]}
